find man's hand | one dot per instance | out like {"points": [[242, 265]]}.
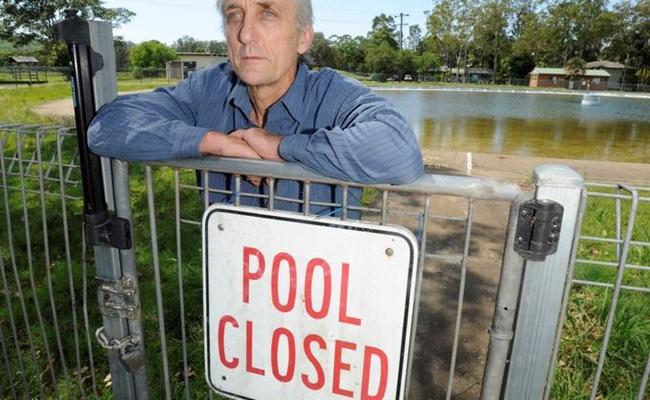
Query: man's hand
{"points": [[262, 142], [220, 144]]}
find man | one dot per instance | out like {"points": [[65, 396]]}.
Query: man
{"points": [[266, 104]]}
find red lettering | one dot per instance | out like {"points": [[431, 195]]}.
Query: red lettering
{"points": [[343, 307], [248, 274], [327, 288], [291, 300], [320, 375], [232, 364], [339, 366], [383, 377], [249, 351], [291, 362]]}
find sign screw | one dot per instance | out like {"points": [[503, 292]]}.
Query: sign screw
{"points": [[221, 227], [390, 252]]}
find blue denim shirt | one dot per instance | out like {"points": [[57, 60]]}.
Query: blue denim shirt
{"points": [[332, 125]]}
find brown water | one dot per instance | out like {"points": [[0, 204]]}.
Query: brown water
{"points": [[522, 124]]}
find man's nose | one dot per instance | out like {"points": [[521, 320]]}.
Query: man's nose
{"points": [[247, 30]]}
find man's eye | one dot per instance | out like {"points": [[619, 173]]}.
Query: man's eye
{"points": [[234, 16], [268, 13]]}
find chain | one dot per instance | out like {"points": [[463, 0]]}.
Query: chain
{"points": [[122, 345]]}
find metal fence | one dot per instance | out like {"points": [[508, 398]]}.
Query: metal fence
{"points": [[471, 287]]}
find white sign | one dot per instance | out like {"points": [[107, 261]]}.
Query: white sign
{"points": [[306, 308]]}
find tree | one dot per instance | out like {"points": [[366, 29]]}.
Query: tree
{"points": [[322, 53], [575, 67], [151, 54], [491, 31], [350, 52], [25, 21], [384, 31], [122, 49], [415, 38]]}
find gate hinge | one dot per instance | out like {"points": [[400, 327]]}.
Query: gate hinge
{"points": [[538, 229], [118, 299], [130, 349], [102, 229]]}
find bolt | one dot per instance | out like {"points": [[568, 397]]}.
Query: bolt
{"points": [[521, 240], [390, 252], [221, 227], [525, 213]]}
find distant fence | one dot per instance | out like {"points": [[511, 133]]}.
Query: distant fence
{"points": [[49, 313]]}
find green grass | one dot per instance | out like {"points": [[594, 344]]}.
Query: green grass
{"points": [[16, 102], [589, 307]]}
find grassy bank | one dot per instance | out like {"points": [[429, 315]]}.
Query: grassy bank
{"points": [[16, 102]]}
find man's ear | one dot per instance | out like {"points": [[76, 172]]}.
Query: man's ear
{"points": [[306, 37]]}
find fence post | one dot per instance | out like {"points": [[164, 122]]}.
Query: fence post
{"points": [[106, 192], [544, 289]]}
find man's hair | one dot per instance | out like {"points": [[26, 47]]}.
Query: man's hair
{"points": [[305, 13]]}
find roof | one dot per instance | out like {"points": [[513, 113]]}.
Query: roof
{"points": [[592, 73], [605, 64], [195, 54], [24, 59]]}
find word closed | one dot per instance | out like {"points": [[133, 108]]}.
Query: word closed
{"points": [[303, 310]]}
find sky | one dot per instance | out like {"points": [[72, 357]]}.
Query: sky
{"points": [[168, 20]]}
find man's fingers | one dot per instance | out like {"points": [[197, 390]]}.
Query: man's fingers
{"points": [[254, 180], [238, 134]]}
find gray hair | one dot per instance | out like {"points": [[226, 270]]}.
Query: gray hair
{"points": [[305, 13]]}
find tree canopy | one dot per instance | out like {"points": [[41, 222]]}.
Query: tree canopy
{"points": [[151, 54]]}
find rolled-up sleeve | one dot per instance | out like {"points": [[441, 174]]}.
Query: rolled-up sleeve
{"points": [[160, 125], [370, 141]]}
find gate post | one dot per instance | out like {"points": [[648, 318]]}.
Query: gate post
{"points": [[107, 208], [545, 289]]}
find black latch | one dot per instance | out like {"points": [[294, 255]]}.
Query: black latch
{"points": [[538, 229], [102, 229]]}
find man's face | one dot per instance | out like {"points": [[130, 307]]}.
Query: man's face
{"points": [[264, 40]]}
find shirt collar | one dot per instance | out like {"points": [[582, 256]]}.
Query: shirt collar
{"points": [[293, 100]]}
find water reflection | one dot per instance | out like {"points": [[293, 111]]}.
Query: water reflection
{"points": [[528, 124]]}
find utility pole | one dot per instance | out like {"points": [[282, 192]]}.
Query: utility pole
{"points": [[401, 29]]}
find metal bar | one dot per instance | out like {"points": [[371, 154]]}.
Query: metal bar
{"points": [[122, 197], [610, 286], [68, 259], [158, 282], [237, 190], [84, 305], [644, 381], [307, 198], [32, 282], [612, 264], [19, 289], [617, 291], [501, 331], [5, 356], [416, 309], [384, 207], [469, 187], [543, 290], [618, 229], [346, 195], [271, 183], [181, 294], [206, 193], [614, 241], [567, 296], [461, 298], [48, 264]]}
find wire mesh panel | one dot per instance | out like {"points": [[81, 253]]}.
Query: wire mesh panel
{"points": [[461, 238], [605, 347], [45, 317]]}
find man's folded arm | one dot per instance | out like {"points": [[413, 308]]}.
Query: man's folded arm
{"points": [[372, 143], [151, 126]]}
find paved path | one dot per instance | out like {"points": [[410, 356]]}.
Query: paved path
{"points": [[63, 108]]}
